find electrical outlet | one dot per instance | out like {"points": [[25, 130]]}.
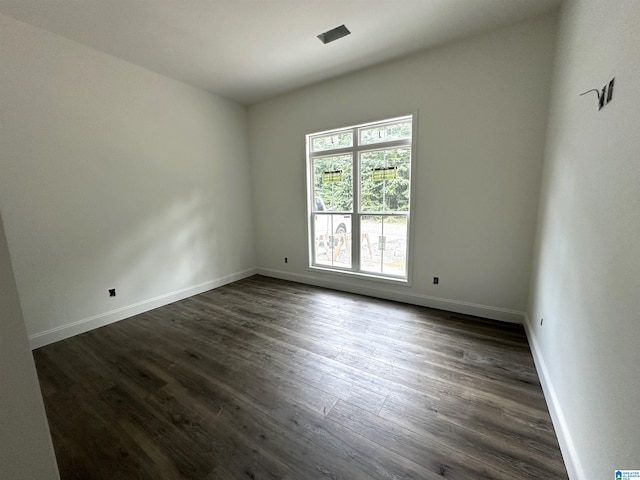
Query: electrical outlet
{"points": [[541, 321], [112, 292], [436, 280], [286, 259]]}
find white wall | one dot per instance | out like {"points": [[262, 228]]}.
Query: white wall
{"points": [[27, 451], [482, 109], [114, 177], [586, 277]]}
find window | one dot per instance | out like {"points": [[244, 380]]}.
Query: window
{"points": [[359, 188]]}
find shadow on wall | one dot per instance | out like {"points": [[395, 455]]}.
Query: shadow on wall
{"points": [[174, 249], [183, 245]]}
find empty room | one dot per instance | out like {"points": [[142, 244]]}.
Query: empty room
{"points": [[319, 239]]}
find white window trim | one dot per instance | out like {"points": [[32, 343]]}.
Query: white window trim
{"points": [[356, 150]]}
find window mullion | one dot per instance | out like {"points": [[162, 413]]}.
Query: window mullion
{"points": [[383, 145], [355, 221], [331, 153]]}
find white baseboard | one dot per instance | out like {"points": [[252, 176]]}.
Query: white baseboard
{"points": [[485, 311], [569, 452], [81, 326]]}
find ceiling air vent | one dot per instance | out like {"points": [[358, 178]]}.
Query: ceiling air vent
{"points": [[334, 34]]}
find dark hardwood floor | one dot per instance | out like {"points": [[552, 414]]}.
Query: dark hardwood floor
{"points": [[268, 379]]}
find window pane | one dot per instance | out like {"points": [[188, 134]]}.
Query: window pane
{"points": [[332, 141], [332, 237], [333, 183], [385, 180], [383, 246], [370, 254], [395, 253], [385, 133]]}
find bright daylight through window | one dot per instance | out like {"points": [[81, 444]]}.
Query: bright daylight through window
{"points": [[359, 187]]}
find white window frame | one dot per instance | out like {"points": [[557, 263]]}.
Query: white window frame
{"points": [[356, 212]]}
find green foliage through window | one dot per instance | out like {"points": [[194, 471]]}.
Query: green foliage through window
{"points": [[336, 196], [385, 133], [332, 141], [385, 195]]}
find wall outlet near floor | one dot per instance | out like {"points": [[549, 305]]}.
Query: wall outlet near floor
{"points": [[286, 259], [541, 321], [436, 280], [112, 292]]}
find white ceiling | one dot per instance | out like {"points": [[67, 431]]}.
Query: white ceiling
{"points": [[250, 50]]}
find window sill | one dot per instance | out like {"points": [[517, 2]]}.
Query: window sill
{"points": [[404, 282]]}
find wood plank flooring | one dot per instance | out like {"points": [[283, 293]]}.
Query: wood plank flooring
{"points": [[268, 379]]}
